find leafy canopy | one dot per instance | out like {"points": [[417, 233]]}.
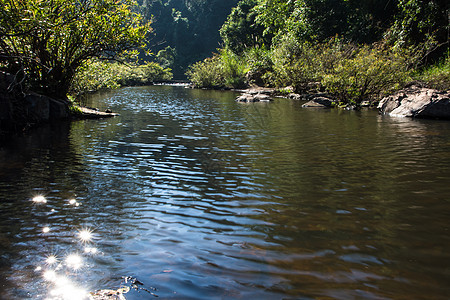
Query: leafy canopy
{"points": [[44, 42]]}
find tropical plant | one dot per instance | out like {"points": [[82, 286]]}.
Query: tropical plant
{"points": [[45, 42]]}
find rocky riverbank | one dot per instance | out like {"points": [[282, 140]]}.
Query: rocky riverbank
{"points": [[413, 101], [20, 111]]}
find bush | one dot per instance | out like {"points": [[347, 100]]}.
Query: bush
{"points": [[368, 75], [96, 75], [259, 63], [206, 73], [223, 70], [438, 76], [295, 64]]}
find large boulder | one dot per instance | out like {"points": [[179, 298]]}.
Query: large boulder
{"points": [[418, 102]]}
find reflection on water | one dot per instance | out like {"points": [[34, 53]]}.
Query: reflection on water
{"points": [[198, 197]]}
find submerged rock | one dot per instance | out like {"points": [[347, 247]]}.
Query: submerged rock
{"points": [[418, 102], [109, 294]]}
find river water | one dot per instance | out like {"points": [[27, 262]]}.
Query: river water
{"points": [[196, 196]]}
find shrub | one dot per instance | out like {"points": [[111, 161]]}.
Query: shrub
{"points": [[96, 75], [206, 73], [225, 69], [259, 63], [437, 76], [295, 64], [233, 68], [368, 75]]}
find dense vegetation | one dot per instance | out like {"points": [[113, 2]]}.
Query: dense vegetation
{"points": [[185, 31], [355, 50], [43, 43]]}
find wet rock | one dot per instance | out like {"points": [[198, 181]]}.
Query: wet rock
{"points": [[416, 101], [262, 97], [248, 98], [294, 96], [320, 102], [109, 294], [89, 113]]}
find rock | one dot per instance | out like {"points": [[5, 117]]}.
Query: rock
{"points": [[418, 102], [319, 102], [262, 97], [247, 98], [90, 113], [294, 96], [37, 107], [59, 109], [109, 294]]}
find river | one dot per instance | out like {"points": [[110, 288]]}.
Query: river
{"points": [[195, 196]]}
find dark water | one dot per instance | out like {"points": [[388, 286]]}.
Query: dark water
{"points": [[199, 197]]}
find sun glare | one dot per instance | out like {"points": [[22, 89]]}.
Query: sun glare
{"points": [[90, 250], [51, 260], [66, 290], [74, 261], [39, 199], [85, 235]]}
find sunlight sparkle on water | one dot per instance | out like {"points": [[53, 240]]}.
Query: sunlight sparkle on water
{"points": [[39, 199], [74, 202], [85, 235], [65, 289], [46, 229], [74, 261], [51, 260], [90, 250], [50, 275]]}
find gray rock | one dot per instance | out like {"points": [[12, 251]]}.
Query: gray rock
{"points": [[319, 102], [294, 96], [58, 109], [248, 98], [37, 107], [417, 102], [262, 97]]}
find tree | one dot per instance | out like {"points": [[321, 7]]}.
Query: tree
{"points": [[45, 41], [241, 31], [422, 21]]}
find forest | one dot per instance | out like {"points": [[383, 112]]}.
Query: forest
{"points": [[352, 49]]}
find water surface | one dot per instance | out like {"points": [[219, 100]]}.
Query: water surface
{"points": [[199, 197]]}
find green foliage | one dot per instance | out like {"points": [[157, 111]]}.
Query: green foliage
{"points": [[241, 31], [233, 69], [46, 41], [206, 73], [368, 75], [418, 20], [191, 27], [295, 64], [223, 70], [96, 75], [259, 61], [437, 76]]}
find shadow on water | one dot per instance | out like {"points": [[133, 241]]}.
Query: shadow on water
{"points": [[200, 197]]}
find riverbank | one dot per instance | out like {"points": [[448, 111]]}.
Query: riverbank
{"points": [[415, 100], [22, 112]]}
